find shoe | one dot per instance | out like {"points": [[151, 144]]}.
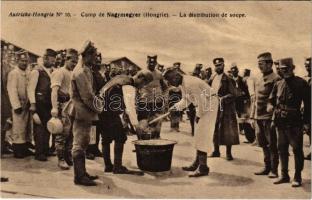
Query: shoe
{"points": [[109, 168], [229, 157], [97, 152], [282, 180], [4, 179], [265, 171], [92, 177], [90, 156], [308, 157], [201, 171], [63, 165], [30, 145], [296, 183], [28, 153], [85, 181], [41, 157], [273, 175], [18, 151], [215, 154]]}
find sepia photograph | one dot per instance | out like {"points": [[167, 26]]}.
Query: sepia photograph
{"points": [[156, 99]]}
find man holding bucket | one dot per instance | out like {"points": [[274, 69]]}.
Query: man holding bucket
{"points": [[197, 92]]}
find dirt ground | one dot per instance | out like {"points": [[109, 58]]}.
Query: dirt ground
{"points": [[29, 178]]}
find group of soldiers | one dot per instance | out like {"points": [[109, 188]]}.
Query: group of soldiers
{"points": [[95, 100]]}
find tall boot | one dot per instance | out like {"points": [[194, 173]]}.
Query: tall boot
{"points": [[118, 151], [107, 158], [194, 165], [61, 161], [203, 169], [18, 151], [229, 152], [80, 170], [267, 162]]}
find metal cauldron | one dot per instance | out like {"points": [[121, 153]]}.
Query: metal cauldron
{"points": [[154, 155]]}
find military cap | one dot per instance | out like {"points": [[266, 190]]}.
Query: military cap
{"points": [[21, 55], [247, 71], [308, 61], [71, 52], [160, 66], [152, 58], [276, 62], [286, 62], [177, 64], [266, 56], [199, 66], [234, 66], [88, 47], [50, 52], [218, 61]]}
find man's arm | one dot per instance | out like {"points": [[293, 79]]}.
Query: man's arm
{"points": [[31, 88], [12, 90], [129, 94]]}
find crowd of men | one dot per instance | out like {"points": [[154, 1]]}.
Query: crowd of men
{"points": [[80, 95]]}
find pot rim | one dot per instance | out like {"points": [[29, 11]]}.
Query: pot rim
{"points": [[172, 142]]}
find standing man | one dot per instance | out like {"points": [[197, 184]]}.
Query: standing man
{"points": [[151, 98], [196, 91], [39, 91], [197, 70], [226, 131], [60, 85], [266, 136], [85, 112], [307, 65], [287, 97], [17, 91]]}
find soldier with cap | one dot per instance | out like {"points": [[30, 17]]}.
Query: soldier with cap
{"points": [[266, 136], [84, 112], [307, 65], [226, 128], [60, 85], [17, 92], [160, 68], [39, 94], [287, 97], [151, 98], [177, 66]]}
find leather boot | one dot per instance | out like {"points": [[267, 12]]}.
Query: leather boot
{"points": [[229, 156], [265, 171], [216, 151], [107, 159], [194, 165], [80, 170], [18, 151], [284, 168], [203, 169], [118, 168], [61, 161]]}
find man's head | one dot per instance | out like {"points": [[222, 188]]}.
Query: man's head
{"points": [[71, 58], [89, 54], [265, 62], [219, 65], [247, 73], [160, 67], [142, 78], [151, 62], [234, 70], [277, 66], [173, 76], [286, 67], [177, 65], [307, 65], [22, 59], [49, 58]]}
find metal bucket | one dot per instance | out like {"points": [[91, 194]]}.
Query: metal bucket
{"points": [[154, 155]]}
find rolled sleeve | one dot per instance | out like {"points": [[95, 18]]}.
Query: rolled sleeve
{"points": [[129, 94]]}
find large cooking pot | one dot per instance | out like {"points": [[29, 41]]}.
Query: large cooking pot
{"points": [[154, 155]]}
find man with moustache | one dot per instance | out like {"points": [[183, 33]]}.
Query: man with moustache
{"points": [[60, 85], [226, 131], [17, 92], [151, 99], [39, 91], [286, 99], [266, 136]]}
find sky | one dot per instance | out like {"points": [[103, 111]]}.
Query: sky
{"points": [[283, 28]]}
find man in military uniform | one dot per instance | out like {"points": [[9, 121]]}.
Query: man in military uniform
{"points": [[287, 97], [161, 68], [60, 85], [307, 65], [39, 91], [151, 98], [17, 91], [266, 136], [84, 112]]}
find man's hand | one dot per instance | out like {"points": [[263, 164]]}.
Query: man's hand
{"points": [[197, 119], [270, 108], [306, 128], [18, 110], [54, 112], [32, 107]]}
